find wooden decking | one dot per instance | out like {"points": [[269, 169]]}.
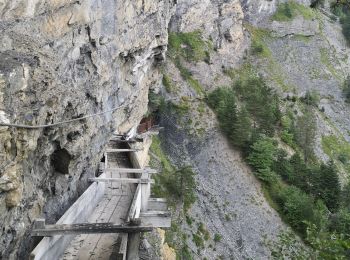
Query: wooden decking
{"points": [[113, 209], [106, 221]]}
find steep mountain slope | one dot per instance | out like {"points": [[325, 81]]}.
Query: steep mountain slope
{"points": [[298, 55], [230, 203]]}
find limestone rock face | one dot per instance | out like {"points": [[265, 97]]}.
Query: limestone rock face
{"points": [[218, 20], [60, 60]]}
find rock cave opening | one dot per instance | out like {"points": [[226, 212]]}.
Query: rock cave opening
{"points": [[60, 160]]}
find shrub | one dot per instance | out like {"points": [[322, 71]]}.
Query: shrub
{"points": [[217, 238], [311, 98], [257, 47], [317, 3], [287, 137], [167, 83]]}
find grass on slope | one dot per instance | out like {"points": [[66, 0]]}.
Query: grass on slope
{"points": [[338, 149], [289, 10]]}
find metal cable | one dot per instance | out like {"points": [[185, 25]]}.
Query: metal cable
{"points": [[64, 122], [59, 123]]}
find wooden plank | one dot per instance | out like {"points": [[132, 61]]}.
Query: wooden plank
{"points": [[53, 247], [123, 247], [156, 213], [131, 170], [106, 161], [125, 180], [155, 221], [122, 150], [157, 204], [135, 209], [132, 140], [88, 228]]}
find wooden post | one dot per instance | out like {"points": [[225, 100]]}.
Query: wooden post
{"points": [[106, 162], [145, 192], [133, 247], [39, 223]]}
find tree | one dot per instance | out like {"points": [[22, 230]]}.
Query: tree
{"points": [[329, 186], [262, 157], [227, 113], [262, 103], [305, 132], [299, 174], [327, 245], [345, 22], [282, 165], [346, 89], [317, 3], [242, 128], [297, 207], [180, 184]]}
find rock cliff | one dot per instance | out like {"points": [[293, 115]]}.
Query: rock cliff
{"points": [[61, 60]]}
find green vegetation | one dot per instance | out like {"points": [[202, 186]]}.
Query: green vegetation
{"points": [[217, 238], [301, 189], [317, 3], [346, 89], [305, 132], [341, 9], [326, 60], [338, 149], [345, 22], [311, 98], [168, 84], [261, 158], [186, 75], [289, 10], [178, 186], [259, 37], [260, 48], [190, 45]]}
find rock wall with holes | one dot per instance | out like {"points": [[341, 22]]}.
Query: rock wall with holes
{"points": [[61, 60]]}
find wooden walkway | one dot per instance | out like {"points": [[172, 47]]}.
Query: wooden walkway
{"points": [[117, 201], [113, 208]]}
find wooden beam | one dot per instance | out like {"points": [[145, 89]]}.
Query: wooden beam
{"points": [[88, 228], [156, 221], [135, 208], [131, 170], [121, 255], [156, 213], [122, 150], [125, 180], [157, 204], [131, 140]]}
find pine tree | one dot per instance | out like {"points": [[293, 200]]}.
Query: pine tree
{"points": [[306, 132], [227, 113], [242, 128], [330, 190], [262, 157]]}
